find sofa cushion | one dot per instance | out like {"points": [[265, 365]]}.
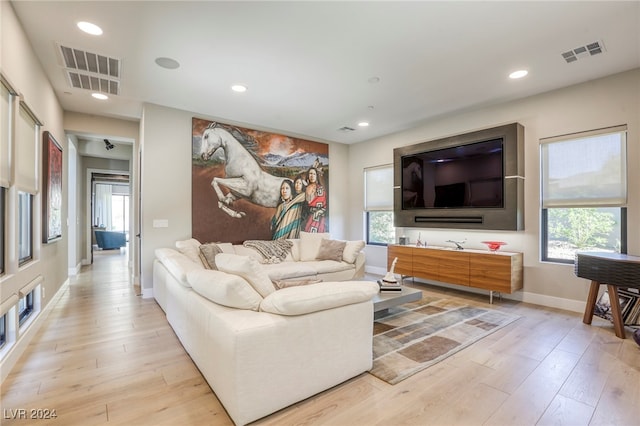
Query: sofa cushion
{"points": [[224, 289], [249, 269], [190, 248], [177, 264], [327, 266], [351, 250], [207, 254], [331, 250], [285, 270], [280, 284], [318, 297], [241, 250], [310, 244]]}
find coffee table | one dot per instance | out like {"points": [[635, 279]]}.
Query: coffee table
{"points": [[383, 301]]}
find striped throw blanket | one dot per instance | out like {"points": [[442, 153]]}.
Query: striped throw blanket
{"points": [[272, 251]]}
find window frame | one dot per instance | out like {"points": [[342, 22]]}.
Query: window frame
{"points": [[368, 228], [3, 330], [549, 204], [378, 201], [3, 227], [29, 307], [29, 230]]}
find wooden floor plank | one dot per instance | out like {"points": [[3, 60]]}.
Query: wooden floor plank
{"points": [[107, 356]]}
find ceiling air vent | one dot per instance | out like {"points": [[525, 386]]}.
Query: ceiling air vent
{"points": [[346, 129], [583, 51], [91, 71]]}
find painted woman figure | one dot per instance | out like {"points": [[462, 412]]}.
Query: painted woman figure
{"points": [[316, 197], [286, 221]]}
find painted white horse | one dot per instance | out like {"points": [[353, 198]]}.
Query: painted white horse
{"points": [[243, 176], [412, 184]]}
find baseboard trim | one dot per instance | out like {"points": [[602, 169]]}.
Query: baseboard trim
{"points": [[14, 354], [147, 293]]}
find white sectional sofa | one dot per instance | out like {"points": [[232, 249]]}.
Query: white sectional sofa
{"points": [[260, 348]]}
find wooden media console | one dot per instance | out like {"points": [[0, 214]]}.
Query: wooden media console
{"points": [[498, 271]]}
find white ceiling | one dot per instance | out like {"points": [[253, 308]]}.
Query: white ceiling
{"points": [[308, 65]]}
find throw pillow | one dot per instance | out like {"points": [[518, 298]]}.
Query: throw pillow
{"points": [[351, 251], [318, 297], [294, 283], [224, 289], [331, 250], [190, 248], [310, 244], [249, 269], [207, 253]]}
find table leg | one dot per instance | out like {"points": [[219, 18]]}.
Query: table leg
{"points": [[591, 302], [618, 326]]}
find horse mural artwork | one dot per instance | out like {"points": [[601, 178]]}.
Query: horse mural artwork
{"points": [[250, 178], [243, 175]]}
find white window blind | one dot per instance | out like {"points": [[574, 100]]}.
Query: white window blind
{"points": [[378, 188], [5, 135], [585, 170], [27, 127]]}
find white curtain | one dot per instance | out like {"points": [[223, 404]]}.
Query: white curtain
{"points": [[102, 206]]}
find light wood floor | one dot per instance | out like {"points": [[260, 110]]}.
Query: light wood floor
{"points": [[107, 356]]}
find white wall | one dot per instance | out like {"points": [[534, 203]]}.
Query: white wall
{"points": [[166, 182], [23, 71], [601, 103]]}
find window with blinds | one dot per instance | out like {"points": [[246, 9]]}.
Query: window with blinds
{"points": [[583, 193]]}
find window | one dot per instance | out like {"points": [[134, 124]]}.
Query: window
{"points": [[25, 227], [378, 205], [2, 227], [3, 330], [25, 307], [584, 194]]}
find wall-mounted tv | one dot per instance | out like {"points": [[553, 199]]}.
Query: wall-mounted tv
{"points": [[473, 180]]}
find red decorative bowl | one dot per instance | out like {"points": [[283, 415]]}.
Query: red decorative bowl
{"points": [[494, 245]]}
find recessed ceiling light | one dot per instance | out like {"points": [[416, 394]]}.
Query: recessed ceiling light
{"points": [[518, 74], [168, 63], [90, 28], [239, 88], [363, 124], [100, 96]]}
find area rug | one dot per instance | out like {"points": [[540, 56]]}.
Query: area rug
{"points": [[418, 335]]}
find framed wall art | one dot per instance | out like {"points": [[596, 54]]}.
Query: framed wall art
{"points": [[249, 184], [52, 189]]}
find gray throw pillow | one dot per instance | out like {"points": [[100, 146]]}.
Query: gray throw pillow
{"points": [[331, 250], [207, 254]]}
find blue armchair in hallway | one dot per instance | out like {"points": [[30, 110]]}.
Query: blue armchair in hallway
{"points": [[109, 240]]}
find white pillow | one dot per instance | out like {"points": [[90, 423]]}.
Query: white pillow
{"points": [[295, 250], [224, 289], [190, 248], [249, 269], [310, 244], [318, 297], [351, 251], [177, 264]]}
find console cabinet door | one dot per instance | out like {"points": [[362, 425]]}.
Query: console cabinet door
{"points": [[425, 264], [453, 267], [405, 259], [497, 272]]}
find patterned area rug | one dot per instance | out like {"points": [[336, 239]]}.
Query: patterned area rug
{"points": [[418, 335]]}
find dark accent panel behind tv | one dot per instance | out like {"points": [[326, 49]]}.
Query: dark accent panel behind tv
{"points": [[509, 217]]}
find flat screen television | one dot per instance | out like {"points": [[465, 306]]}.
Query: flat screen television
{"points": [[464, 176], [473, 180]]}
